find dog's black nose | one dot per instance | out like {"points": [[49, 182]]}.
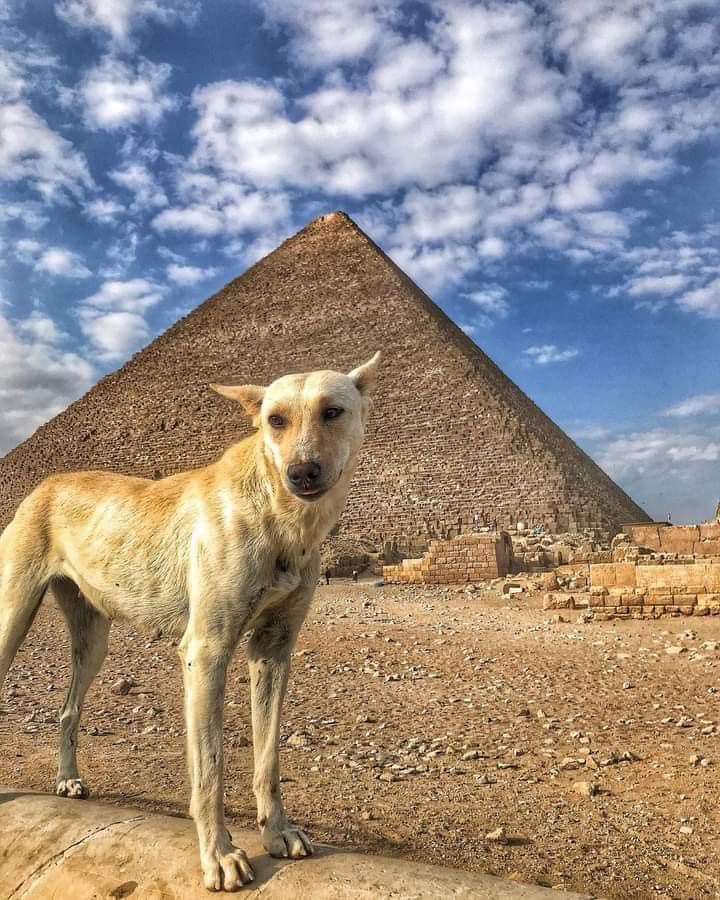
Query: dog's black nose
{"points": [[304, 475]]}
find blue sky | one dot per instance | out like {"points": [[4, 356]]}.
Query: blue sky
{"points": [[547, 171]]}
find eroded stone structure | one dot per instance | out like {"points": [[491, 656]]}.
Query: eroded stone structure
{"points": [[453, 445], [464, 560], [656, 570]]}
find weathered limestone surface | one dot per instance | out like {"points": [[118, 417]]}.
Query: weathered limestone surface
{"points": [[646, 590], [56, 849], [469, 558], [453, 444], [694, 540]]}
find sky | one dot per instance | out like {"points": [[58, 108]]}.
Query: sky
{"points": [[548, 171]]}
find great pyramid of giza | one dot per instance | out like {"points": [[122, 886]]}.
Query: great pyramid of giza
{"points": [[453, 442]]}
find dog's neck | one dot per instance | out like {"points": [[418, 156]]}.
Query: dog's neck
{"points": [[297, 526]]}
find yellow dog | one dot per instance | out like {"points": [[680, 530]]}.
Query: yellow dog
{"points": [[205, 555]]}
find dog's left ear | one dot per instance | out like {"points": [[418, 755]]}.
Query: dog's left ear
{"points": [[249, 396], [364, 376]]}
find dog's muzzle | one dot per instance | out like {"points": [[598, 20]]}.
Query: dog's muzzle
{"points": [[305, 480]]}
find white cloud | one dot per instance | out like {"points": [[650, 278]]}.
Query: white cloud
{"points": [[140, 181], [407, 65], [700, 404], [104, 210], [27, 250], [693, 453], [114, 335], [548, 353], [113, 318], [55, 261], [657, 284], [656, 450], [118, 18], [354, 137], [38, 377], [188, 275], [704, 300], [325, 32], [435, 267], [116, 95], [27, 212], [666, 471], [212, 206], [58, 261], [33, 153], [492, 300], [489, 144]]}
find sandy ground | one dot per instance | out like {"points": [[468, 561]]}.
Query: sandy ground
{"points": [[420, 720]]}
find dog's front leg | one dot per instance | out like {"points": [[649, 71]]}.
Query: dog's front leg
{"points": [[269, 653], [205, 662]]}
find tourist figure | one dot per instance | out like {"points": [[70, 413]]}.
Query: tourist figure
{"points": [[327, 575], [355, 575]]}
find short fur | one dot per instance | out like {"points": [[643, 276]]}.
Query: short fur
{"points": [[205, 555]]}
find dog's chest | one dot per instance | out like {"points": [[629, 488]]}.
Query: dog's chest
{"points": [[277, 585]]}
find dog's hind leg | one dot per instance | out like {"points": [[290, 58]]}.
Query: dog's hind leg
{"points": [[89, 631], [22, 587]]}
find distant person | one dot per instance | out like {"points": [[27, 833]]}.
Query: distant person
{"points": [[355, 575], [327, 576]]}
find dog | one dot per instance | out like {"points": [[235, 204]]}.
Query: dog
{"points": [[207, 556]]}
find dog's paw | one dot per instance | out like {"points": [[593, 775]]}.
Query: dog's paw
{"points": [[74, 788], [226, 871], [288, 842]]}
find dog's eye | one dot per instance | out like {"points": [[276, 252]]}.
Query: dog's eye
{"points": [[277, 421], [332, 412]]}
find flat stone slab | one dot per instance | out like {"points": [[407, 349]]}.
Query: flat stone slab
{"points": [[54, 849]]}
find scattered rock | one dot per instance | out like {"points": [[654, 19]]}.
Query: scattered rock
{"points": [[585, 788], [498, 836]]}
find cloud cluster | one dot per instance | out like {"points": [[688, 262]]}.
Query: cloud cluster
{"points": [[31, 152], [118, 18], [700, 404], [669, 467], [114, 318], [116, 94], [683, 268], [38, 377], [547, 354], [51, 261], [209, 206]]}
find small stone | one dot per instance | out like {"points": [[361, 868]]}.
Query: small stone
{"points": [[674, 651], [123, 686], [298, 739], [585, 788], [498, 836]]}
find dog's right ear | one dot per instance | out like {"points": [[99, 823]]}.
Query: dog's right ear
{"points": [[249, 396]]}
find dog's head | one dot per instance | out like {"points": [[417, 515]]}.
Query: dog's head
{"points": [[312, 424]]}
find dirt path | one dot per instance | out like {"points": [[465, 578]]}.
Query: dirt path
{"points": [[419, 720]]}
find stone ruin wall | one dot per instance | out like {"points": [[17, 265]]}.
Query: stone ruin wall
{"points": [[466, 559], [631, 590], [686, 540], [656, 570]]}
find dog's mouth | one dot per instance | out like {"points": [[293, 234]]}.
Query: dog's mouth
{"points": [[310, 493]]}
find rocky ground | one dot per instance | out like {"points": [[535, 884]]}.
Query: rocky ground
{"points": [[455, 728]]}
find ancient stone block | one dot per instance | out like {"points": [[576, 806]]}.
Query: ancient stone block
{"points": [[612, 575]]}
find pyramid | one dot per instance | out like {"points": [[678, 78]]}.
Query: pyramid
{"points": [[453, 443]]}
